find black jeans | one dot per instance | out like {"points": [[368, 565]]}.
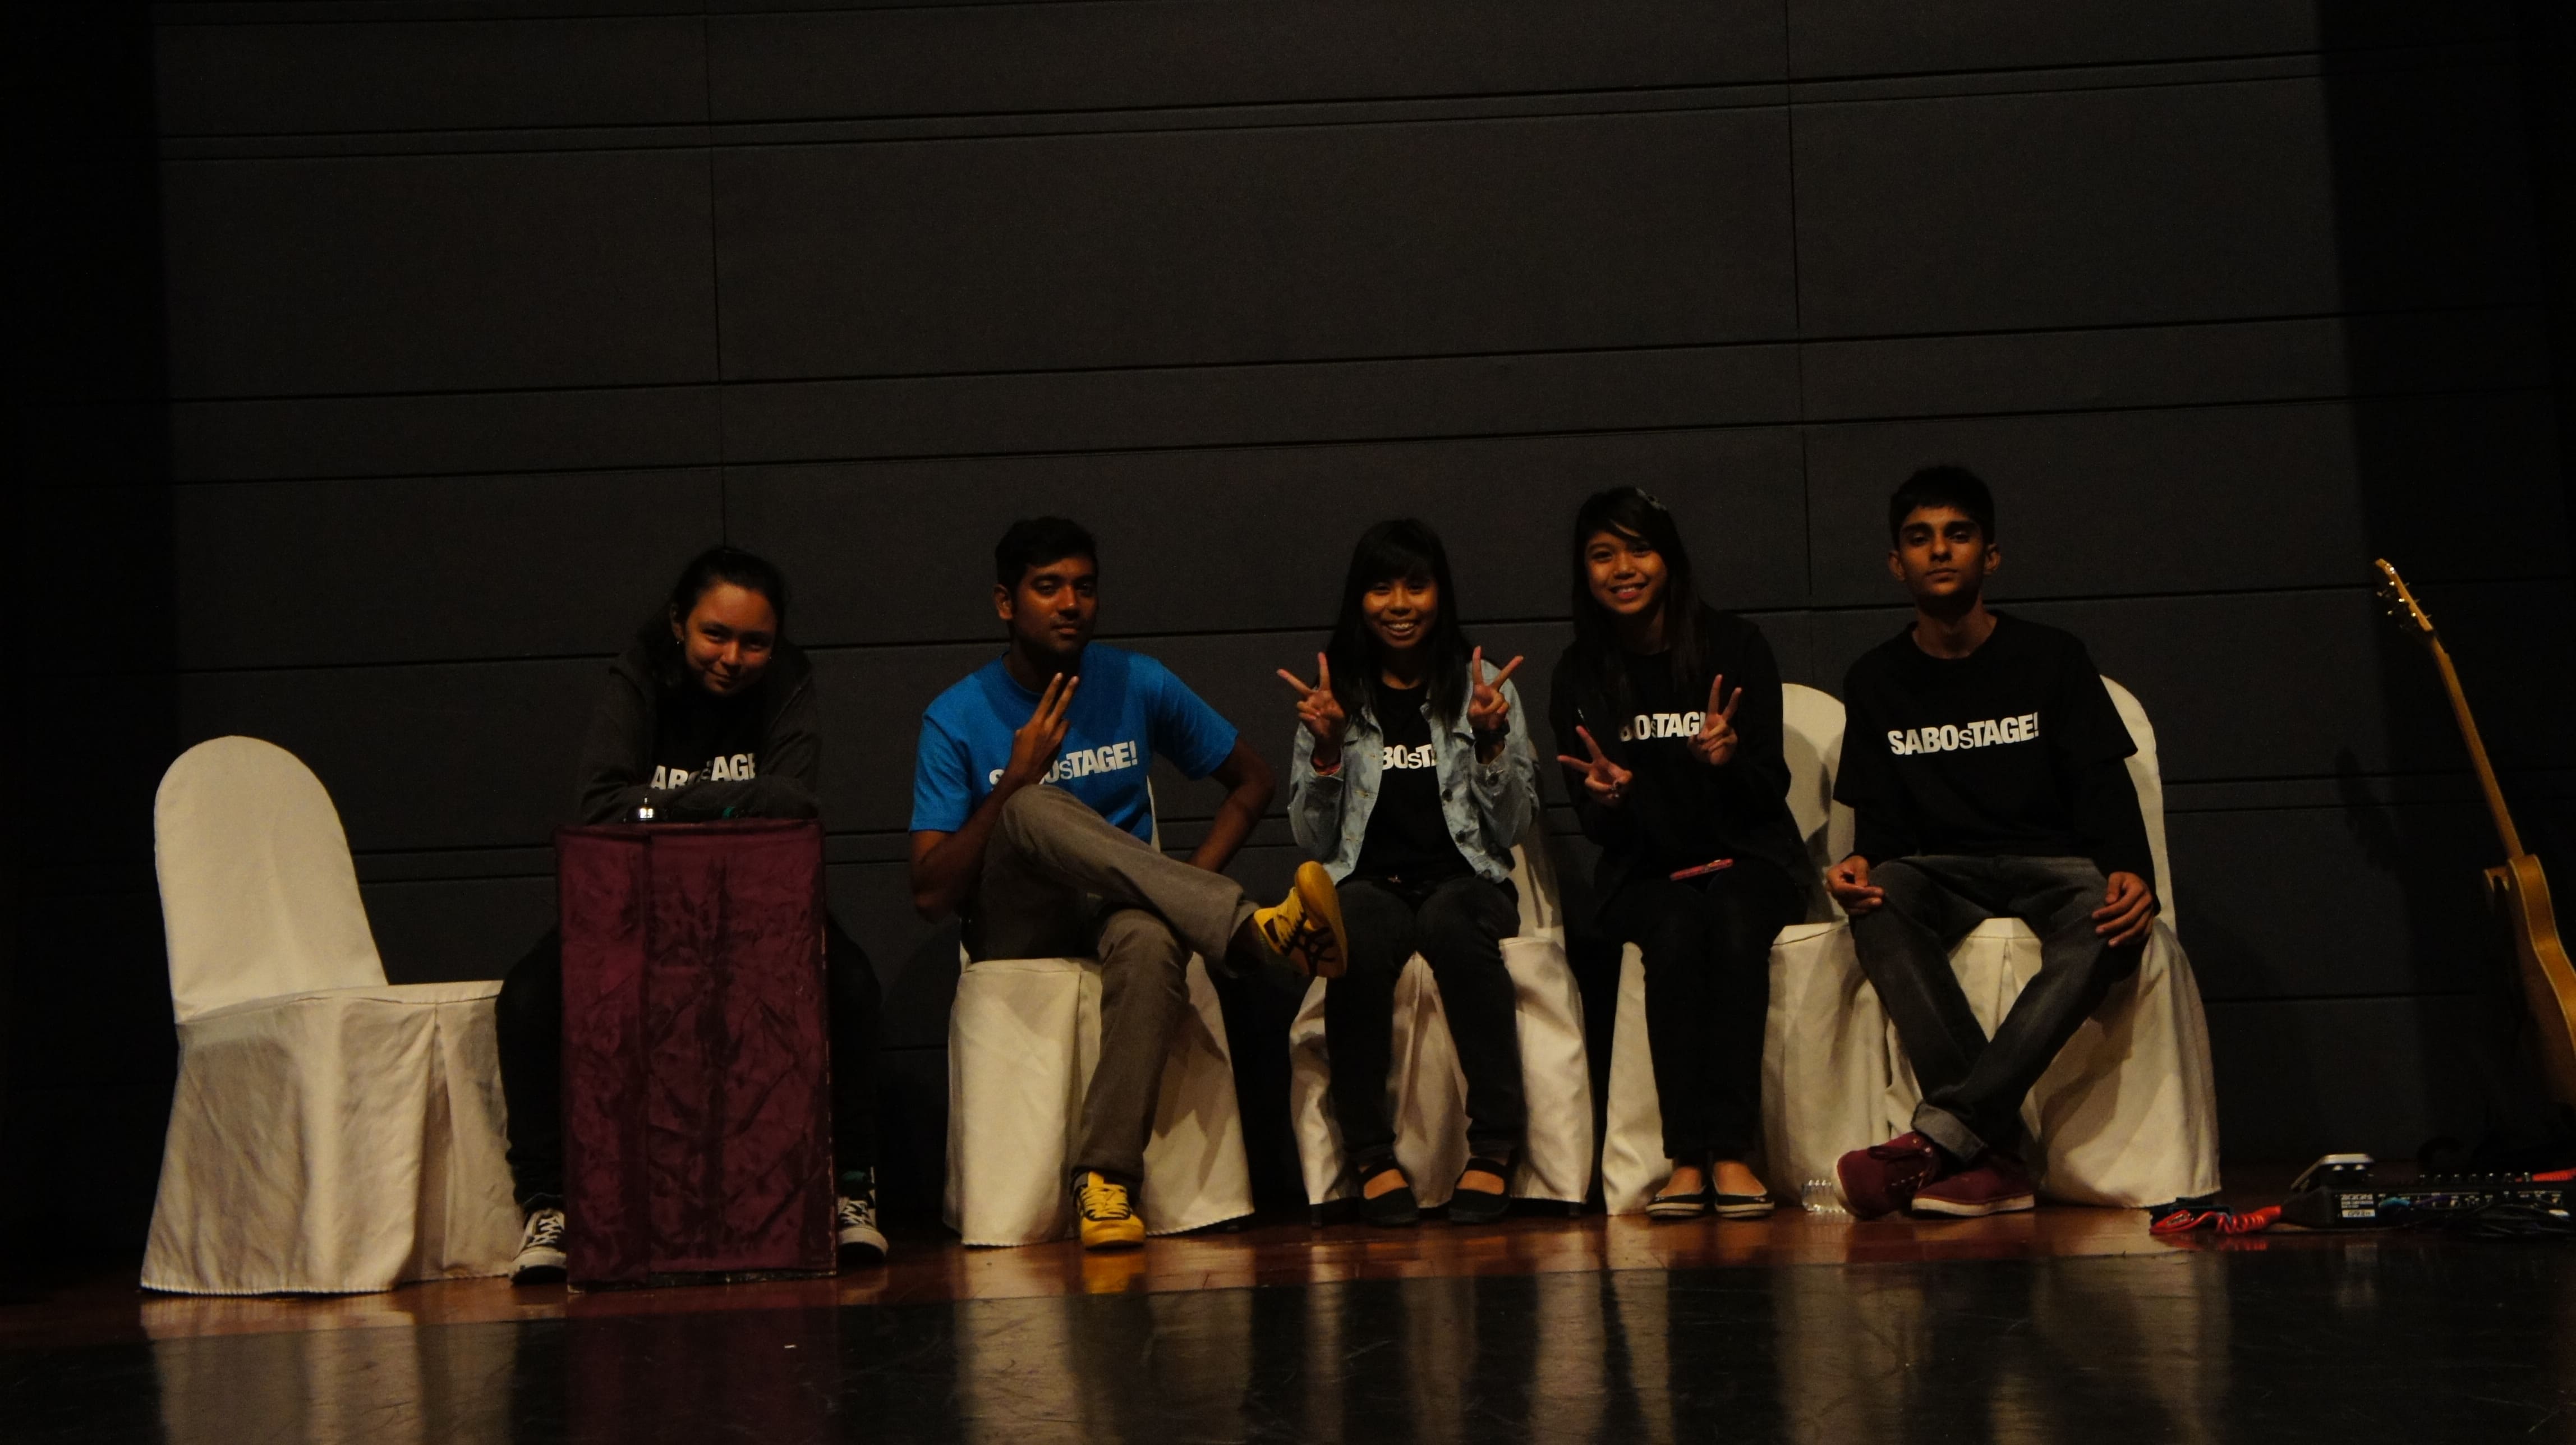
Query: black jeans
{"points": [[1458, 926], [1972, 1086], [1707, 946], [530, 1021]]}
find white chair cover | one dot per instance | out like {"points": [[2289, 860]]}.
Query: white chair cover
{"points": [[1427, 1091], [330, 1132], [2127, 1115], [1023, 1036]]}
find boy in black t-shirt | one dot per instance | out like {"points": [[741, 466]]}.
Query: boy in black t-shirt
{"points": [[1983, 760]]}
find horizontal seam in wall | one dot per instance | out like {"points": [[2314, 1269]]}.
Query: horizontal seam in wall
{"points": [[1779, 93], [1150, 638], [2535, 306], [1398, 439]]}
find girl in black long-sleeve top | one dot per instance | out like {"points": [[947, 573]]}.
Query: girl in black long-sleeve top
{"points": [[1667, 719]]}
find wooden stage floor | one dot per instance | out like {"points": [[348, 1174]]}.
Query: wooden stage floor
{"points": [[931, 1267], [2061, 1325]]}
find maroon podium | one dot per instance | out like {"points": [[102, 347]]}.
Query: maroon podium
{"points": [[697, 1093]]}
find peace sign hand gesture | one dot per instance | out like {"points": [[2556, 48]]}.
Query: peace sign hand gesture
{"points": [[1035, 743], [1714, 743], [1320, 711], [1488, 711], [1605, 780]]}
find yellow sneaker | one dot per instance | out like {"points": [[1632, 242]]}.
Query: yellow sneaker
{"points": [[1108, 1220], [1306, 927]]}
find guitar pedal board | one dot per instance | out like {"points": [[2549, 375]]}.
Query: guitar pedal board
{"points": [[2339, 1192]]}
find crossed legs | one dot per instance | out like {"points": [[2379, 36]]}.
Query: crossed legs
{"points": [[1059, 880], [1973, 1086]]}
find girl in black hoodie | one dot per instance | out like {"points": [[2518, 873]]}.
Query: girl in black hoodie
{"points": [[1667, 719], [708, 714]]}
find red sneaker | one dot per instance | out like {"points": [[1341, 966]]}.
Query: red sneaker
{"points": [[1883, 1177], [1995, 1184]]}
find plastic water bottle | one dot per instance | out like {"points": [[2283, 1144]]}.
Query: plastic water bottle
{"points": [[1819, 1198]]}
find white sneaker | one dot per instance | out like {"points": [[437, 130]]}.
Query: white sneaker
{"points": [[860, 1239], [541, 1249]]}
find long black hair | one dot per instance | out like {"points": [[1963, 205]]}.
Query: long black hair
{"points": [[1405, 548], [1636, 518]]}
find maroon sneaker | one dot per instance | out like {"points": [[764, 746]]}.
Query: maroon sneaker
{"points": [[1995, 1184], [1881, 1178]]}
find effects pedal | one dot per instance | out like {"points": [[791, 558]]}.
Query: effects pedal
{"points": [[2339, 1192]]}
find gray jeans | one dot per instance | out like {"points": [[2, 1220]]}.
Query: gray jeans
{"points": [[1060, 881], [1973, 1086]]}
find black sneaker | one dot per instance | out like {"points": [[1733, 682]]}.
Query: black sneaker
{"points": [[541, 1249], [861, 1242]]}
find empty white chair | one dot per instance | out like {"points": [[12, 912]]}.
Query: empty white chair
{"points": [[1023, 1037], [330, 1132], [1427, 1091], [2126, 1115]]}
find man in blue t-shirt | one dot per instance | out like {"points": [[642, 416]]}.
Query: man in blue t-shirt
{"points": [[1031, 820]]}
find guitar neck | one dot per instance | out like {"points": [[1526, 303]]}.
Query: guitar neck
{"points": [[2477, 750]]}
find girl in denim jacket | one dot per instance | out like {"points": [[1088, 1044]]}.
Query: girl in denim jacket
{"points": [[1414, 776]]}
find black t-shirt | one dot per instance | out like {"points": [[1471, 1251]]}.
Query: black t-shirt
{"points": [[1408, 835], [1658, 751], [2013, 750]]}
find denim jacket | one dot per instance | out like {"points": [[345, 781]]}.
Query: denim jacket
{"points": [[1487, 805]]}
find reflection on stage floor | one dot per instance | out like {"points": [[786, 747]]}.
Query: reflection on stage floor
{"points": [[2070, 1325]]}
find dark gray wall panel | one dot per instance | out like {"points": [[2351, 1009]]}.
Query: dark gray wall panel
{"points": [[421, 570], [2409, 914], [1016, 58], [1245, 245], [2210, 498], [2001, 212], [1236, 405], [2432, 187], [263, 80], [455, 756], [457, 928], [2262, 690], [1273, 553], [2296, 1080], [2216, 362], [2238, 199], [1863, 37], [402, 436], [462, 272]]}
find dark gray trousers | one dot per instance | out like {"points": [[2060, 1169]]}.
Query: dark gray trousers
{"points": [[1973, 1086], [1060, 881]]}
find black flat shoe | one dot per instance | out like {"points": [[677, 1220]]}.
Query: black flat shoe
{"points": [[1674, 1207], [1736, 1206], [1396, 1208], [1480, 1206]]}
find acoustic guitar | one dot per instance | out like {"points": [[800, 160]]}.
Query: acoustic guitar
{"points": [[2516, 885]]}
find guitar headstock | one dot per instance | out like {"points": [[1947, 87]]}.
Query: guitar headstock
{"points": [[2401, 603]]}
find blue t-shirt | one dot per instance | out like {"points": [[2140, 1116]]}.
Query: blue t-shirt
{"points": [[1129, 708]]}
